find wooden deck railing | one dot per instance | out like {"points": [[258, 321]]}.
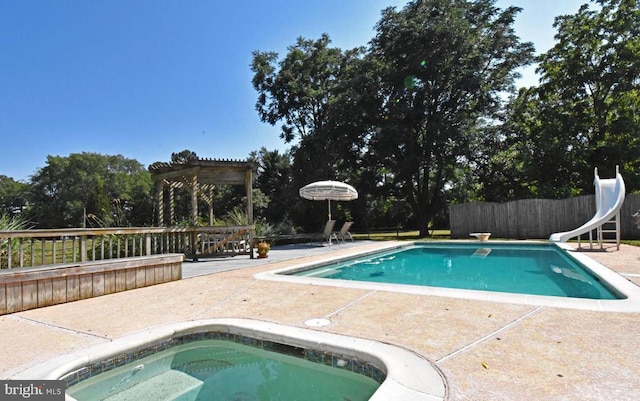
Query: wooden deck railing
{"points": [[29, 248]]}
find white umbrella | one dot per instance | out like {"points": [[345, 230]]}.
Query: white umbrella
{"points": [[329, 190]]}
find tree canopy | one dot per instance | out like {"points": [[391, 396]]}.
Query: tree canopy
{"points": [[582, 115], [109, 190], [426, 115], [444, 67], [592, 74], [13, 196], [434, 73]]}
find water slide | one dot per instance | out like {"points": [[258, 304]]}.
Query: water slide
{"points": [[609, 199]]}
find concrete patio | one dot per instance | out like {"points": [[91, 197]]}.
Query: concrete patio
{"points": [[485, 350]]}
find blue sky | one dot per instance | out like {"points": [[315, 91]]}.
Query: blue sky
{"points": [[146, 78]]}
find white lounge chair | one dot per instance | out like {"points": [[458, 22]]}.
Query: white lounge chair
{"points": [[344, 232], [328, 234]]}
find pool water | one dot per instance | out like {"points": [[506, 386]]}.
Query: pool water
{"points": [[224, 370], [527, 269]]}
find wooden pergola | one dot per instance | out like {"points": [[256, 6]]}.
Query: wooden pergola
{"points": [[200, 177]]}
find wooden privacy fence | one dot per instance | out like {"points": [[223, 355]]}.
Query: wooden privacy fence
{"points": [[535, 218]]}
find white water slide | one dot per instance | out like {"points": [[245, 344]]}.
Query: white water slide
{"points": [[609, 198]]}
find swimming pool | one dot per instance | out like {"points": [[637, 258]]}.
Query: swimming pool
{"points": [[526, 269], [555, 277]]}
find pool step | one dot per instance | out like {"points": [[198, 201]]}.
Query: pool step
{"points": [[166, 386]]}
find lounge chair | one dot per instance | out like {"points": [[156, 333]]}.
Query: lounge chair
{"points": [[344, 231], [328, 234]]}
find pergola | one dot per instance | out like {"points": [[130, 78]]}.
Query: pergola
{"points": [[199, 177]]}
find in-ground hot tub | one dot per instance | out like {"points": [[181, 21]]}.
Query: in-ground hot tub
{"points": [[386, 371]]}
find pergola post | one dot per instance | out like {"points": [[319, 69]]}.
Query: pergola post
{"points": [[172, 206], [248, 184], [194, 199], [160, 201], [210, 202]]}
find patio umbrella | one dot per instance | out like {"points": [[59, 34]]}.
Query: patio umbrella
{"points": [[329, 190]]}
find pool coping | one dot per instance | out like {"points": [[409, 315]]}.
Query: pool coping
{"points": [[631, 291], [409, 376]]}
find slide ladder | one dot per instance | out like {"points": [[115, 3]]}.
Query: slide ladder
{"points": [[609, 199], [612, 226]]}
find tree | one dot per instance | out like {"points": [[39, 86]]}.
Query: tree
{"points": [[63, 189], [13, 196], [275, 182], [299, 91], [444, 66], [590, 90], [529, 156], [98, 207], [310, 92], [183, 156]]}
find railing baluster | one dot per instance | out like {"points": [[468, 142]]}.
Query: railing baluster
{"points": [[21, 251], [64, 249], [43, 251], [83, 248], [9, 252], [32, 249], [53, 251], [102, 247], [147, 243]]}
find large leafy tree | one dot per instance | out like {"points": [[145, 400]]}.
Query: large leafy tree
{"points": [[274, 181], [444, 66], [403, 118], [529, 156], [299, 92], [116, 190], [310, 93], [13, 196], [582, 115], [589, 95]]}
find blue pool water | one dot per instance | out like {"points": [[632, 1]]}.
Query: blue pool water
{"points": [[222, 370], [528, 269]]}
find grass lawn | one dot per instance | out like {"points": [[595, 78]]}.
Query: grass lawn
{"points": [[436, 235], [403, 235]]}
